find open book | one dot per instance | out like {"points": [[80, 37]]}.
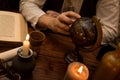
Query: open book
{"points": [[13, 28]]}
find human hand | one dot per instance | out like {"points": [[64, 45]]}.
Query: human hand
{"points": [[65, 17], [52, 13], [68, 17], [59, 23]]}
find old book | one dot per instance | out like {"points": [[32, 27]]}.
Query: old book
{"points": [[13, 28]]}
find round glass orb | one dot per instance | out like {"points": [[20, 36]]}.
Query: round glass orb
{"points": [[86, 33]]}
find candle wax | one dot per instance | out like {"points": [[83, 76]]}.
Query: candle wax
{"points": [[26, 46], [74, 74]]}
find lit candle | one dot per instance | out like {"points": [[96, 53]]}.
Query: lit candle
{"points": [[26, 45], [77, 71]]}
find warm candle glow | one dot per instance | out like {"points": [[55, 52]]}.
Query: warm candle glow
{"points": [[80, 69], [77, 71], [26, 45], [27, 37]]}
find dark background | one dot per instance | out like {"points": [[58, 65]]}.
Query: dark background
{"points": [[9, 5]]}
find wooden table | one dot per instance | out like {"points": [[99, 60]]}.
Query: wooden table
{"points": [[50, 63]]}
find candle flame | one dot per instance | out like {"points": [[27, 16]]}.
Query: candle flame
{"points": [[27, 37], [80, 69]]}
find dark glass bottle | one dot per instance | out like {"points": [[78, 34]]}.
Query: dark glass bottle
{"points": [[109, 68]]}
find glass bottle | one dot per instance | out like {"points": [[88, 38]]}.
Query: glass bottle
{"points": [[109, 67]]}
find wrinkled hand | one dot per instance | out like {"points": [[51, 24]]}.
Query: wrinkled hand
{"points": [[59, 23]]}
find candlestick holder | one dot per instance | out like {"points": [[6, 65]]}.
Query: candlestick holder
{"points": [[24, 65], [76, 71], [36, 39]]}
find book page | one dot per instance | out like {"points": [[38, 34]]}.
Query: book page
{"points": [[13, 27], [7, 24]]}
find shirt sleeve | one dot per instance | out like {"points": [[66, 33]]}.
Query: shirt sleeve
{"points": [[31, 10], [108, 13]]}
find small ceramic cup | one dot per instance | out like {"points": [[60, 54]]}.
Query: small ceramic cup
{"points": [[36, 39]]}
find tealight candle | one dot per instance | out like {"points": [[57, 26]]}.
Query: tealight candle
{"points": [[77, 71], [26, 46]]}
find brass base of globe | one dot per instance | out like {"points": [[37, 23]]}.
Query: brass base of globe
{"points": [[72, 57]]}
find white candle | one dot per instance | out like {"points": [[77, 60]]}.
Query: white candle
{"points": [[77, 71], [26, 46]]}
